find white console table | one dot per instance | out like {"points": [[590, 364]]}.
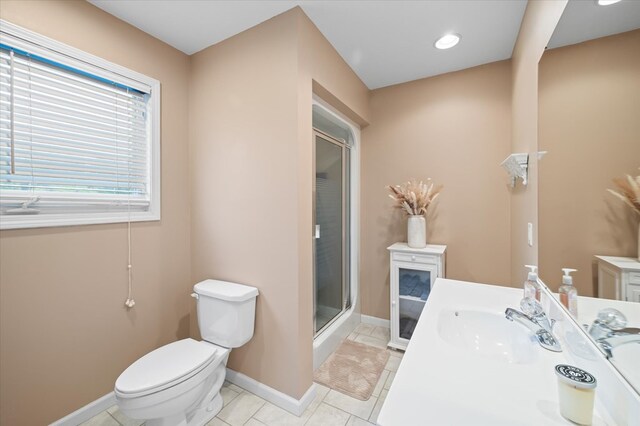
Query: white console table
{"points": [[619, 278]]}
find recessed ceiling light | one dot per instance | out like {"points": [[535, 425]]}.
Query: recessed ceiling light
{"points": [[447, 41], [607, 2]]}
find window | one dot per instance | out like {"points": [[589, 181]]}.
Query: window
{"points": [[79, 136]]}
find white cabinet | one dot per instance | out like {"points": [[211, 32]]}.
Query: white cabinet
{"points": [[619, 278], [413, 272]]}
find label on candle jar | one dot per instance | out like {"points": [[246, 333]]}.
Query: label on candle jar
{"points": [[575, 376]]}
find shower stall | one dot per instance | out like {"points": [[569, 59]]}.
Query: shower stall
{"points": [[335, 275], [331, 248]]}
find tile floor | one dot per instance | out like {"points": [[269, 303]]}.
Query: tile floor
{"points": [[329, 407]]}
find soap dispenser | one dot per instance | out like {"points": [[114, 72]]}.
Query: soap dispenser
{"points": [[532, 288], [568, 293]]}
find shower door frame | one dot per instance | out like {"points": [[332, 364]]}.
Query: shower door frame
{"points": [[346, 229]]}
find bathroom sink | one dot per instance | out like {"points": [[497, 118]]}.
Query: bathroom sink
{"points": [[462, 343], [487, 334]]}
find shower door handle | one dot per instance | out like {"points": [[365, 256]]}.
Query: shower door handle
{"points": [[317, 235]]}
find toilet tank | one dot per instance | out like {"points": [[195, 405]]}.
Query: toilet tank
{"points": [[226, 312]]}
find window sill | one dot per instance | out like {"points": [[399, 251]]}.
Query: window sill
{"points": [[54, 220]]}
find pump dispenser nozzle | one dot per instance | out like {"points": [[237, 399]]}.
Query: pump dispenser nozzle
{"points": [[567, 279], [532, 276]]}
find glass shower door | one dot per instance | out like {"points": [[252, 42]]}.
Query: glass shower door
{"points": [[330, 295]]}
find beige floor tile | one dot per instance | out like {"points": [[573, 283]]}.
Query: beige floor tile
{"points": [[231, 386], [351, 405], [253, 422], [393, 363], [217, 422], [357, 421], [103, 419], [396, 353], [380, 384], [381, 333], [371, 341], [363, 328], [121, 418], [327, 415], [321, 392], [352, 336], [271, 415], [387, 384], [241, 409], [228, 395], [376, 410]]}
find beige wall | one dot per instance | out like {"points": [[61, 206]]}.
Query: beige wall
{"points": [[243, 133], [455, 129], [322, 71], [65, 335], [589, 105], [539, 22], [251, 152]]}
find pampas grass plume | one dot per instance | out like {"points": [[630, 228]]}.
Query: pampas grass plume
{"points": [[628, 191], [414, 197]]}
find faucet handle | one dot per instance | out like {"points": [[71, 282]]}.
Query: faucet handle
{"points": [[609, 320], [531, 307], [534, 310], [612, 318]]}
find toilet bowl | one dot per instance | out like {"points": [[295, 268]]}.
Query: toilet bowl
{"points": [[179, 384]]}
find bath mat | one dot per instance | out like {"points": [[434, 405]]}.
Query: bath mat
{"points": [[353, 369]]}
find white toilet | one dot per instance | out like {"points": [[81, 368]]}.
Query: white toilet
{"points": [[179, 383]]}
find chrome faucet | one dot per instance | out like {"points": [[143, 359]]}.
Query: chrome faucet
{"points": [[536, 321], [618, 338], [610, 330]]}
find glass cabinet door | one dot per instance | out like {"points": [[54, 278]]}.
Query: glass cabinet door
{"points": [[414, 286]]}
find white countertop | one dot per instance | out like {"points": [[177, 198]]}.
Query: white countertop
{"points": [[438, 383]]}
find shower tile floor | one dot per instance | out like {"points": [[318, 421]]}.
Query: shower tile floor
{"points": [[329, 407]]}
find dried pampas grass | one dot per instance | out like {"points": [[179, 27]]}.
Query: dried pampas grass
{"points": [[414, 196], [629, 191]]}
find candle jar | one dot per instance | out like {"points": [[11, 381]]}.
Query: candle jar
{"points": [[576, 394]]}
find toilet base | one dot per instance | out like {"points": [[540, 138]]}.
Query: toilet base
{"points": [[193, 402], [203, 415], [200, 417]]}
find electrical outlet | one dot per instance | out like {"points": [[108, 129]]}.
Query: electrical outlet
{"points": [[530, 234]]}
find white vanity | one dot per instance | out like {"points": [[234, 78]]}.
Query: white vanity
{"points": [[467, 364], [619, 278]]}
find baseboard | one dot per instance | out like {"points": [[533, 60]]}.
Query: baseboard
{"points": [[88, 411], [284, 401], [374, 321]]}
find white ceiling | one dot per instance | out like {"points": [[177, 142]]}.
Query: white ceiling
{"points": [[192, 25], [586, 20], [384, 42], [390, 42]]}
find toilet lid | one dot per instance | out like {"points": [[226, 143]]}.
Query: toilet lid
{"points": [[174, 362]]}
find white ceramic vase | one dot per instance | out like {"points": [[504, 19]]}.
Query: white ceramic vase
{"points": [[417, 231]]}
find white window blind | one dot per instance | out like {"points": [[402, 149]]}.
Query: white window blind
{"points": [[71, 142]]}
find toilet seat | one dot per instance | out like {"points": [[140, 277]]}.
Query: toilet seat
{"points": [[166, 367]]}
